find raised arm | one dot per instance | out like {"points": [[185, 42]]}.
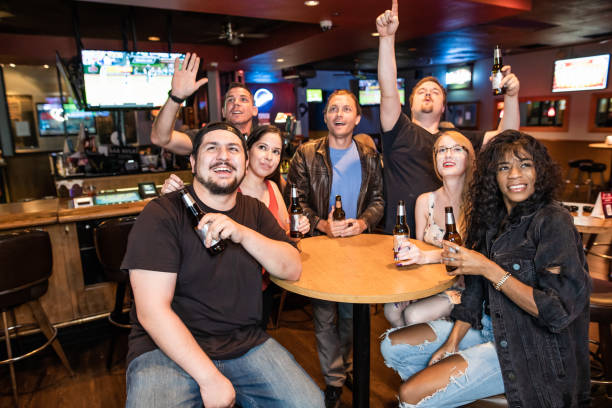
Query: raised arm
{"points": [[153, 293], [390, 105], [512, 117], [183, 85]]}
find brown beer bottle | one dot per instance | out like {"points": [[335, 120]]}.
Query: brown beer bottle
{"points": [[451, 233], [338, 214], [216, 246], [295, 210], [496, 72], [401, 231]]}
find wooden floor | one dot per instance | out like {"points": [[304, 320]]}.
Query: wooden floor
{"points": [[44, 383]]}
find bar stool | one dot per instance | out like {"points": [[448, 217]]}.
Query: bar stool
{"points": [[27, 262], [110, 238], [601, 313], [573, 178], [589, 169]]}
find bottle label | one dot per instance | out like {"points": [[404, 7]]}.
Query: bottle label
{"points": [[401, 210], [397, 242], [497, 78], [202, 234], [450, 219], [294, 221]]}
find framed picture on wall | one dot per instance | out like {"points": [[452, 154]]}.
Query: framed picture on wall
{"points": [[23, 125], [600, 112], [464, 115]]}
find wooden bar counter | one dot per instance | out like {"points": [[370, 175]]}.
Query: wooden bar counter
{"points": [[68, 300]]}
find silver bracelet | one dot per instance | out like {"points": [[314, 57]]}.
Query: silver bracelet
{"points": [[503, 280]]}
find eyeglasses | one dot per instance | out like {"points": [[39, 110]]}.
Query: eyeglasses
{"points": [[456, 149]]}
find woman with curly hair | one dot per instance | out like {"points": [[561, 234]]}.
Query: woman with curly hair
{"points": [[453, 158], [522, 325]]}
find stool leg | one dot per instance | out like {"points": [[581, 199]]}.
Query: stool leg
{"points": [[9, 353], [47, 330], [281, 304], [605, 339]]}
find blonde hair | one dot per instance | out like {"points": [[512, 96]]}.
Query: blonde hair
{"points": [[469, 171]]}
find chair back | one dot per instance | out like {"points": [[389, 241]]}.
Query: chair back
{"points": [[110, 238], [27, 263]]}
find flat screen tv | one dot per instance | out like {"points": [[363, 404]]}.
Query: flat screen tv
{"points": [[127, 80], [51, 121], [314, 95], [581, 74], [369, 91]]}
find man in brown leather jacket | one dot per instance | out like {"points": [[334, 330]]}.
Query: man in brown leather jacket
{"points": [[322, 169]]}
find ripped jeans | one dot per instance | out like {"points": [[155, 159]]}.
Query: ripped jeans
{"points": [[482, 378]]}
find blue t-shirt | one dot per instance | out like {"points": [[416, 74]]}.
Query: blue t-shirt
{"points": [[346, 179]]}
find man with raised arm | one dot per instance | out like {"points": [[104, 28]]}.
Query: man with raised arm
{"points": [[322, 169], [408, 142], [238, 107], [195, 335]]}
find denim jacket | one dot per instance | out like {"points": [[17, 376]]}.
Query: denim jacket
{"points": [[311, 171], [545, 359]]}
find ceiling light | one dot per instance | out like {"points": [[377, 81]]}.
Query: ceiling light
{"points": [[375, 34], [411, 49], [153, 38], [311, 3], [12, 65], [280, 60], [46, 66]]}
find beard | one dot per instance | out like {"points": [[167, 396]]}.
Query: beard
{"points": [[427, 108], [216, 188]]}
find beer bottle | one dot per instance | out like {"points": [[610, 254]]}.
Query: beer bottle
{"points": [[496, 72], [295, 210], [216, 246], [401, 232], [338, 214], [451, 233]]}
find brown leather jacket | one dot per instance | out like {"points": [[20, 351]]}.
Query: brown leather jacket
{"points": [[311, 172]]}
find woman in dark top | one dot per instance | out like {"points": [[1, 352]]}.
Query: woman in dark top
{"points": [[522, 325]]}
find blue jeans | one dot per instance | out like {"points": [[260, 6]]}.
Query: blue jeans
{"points": [[481, 379], [266, 376]]}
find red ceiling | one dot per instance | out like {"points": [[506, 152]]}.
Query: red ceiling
{"points": [[353, 23]]}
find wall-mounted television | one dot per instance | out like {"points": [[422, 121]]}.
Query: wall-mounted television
{"points": [[581, 74], [127, 80], [369, 91], [51, 120], [314, 95]]}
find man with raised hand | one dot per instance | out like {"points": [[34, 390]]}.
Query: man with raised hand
{"points": [[195, 335], [408, 142], [238, 107]]}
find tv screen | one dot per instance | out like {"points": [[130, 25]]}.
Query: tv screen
{"points": [[314, 95], [369, 91], [50, 119], [131, 80], [581, 74]]}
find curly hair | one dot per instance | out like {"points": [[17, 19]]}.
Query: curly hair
{"points": [[486, 208]]}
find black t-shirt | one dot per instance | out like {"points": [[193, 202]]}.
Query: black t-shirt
{"points": [[217, 297], [408, 167]]}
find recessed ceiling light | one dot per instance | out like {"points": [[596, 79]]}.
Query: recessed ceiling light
{"points": [[12, 65], [280, 60], [153, 38], [46, 66], [311, 3], [375, 34], [411, 49]]}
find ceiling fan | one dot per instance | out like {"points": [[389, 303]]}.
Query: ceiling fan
{"points": [[234, 37]]}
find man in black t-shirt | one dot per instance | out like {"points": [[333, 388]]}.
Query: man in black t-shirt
{"points": [[196, 335], [408, 144]]}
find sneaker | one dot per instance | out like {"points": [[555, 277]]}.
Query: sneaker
{"points": [[332, 396], [349, 380]]}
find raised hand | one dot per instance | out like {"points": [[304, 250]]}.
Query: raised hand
{"points": [[387, 22], [184, 79]]}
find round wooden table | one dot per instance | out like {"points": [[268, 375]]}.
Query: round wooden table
{"points": [[360, 270]]}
